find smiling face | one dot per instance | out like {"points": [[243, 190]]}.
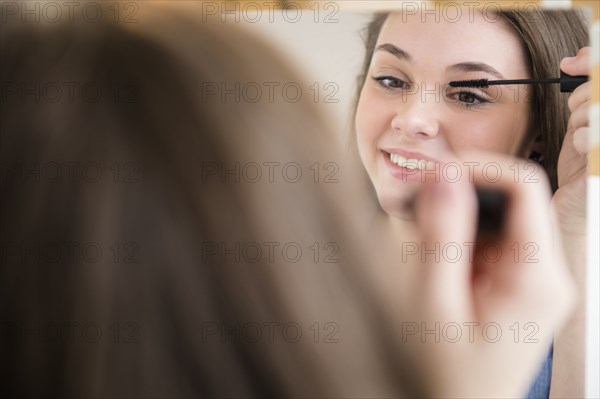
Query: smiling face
{"points": [[407, 115]]}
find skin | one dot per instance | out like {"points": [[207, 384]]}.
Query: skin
{"points": [[397, 119], [569, 201], [504, 292]]}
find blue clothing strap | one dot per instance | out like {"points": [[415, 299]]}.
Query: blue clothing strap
{"points": [[541, 385]]}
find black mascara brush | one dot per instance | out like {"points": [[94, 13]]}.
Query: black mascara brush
{"points": [[568, 83]]}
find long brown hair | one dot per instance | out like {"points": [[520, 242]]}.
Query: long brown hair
{"points": [[547, 36], [166, 292]]}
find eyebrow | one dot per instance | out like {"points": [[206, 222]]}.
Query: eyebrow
{"points": [[460, 67], [475, 67], [395, 51]]}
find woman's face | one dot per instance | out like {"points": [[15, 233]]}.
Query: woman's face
{"points": [[424, 122]]}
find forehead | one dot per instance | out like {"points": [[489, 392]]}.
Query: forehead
{"points": [[439, 40]]}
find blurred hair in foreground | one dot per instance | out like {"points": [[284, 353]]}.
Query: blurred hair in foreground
{"points": [[157, 316], [234, 283]]}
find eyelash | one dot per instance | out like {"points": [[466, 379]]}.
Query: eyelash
{"points": [[380, 80], [481, 101]]}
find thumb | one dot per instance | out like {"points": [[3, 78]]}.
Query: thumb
{"points": [[578, 65], [446, 217]]}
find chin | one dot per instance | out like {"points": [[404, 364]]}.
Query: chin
{"points": [[398, 206]]}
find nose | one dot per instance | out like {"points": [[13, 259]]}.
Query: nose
{"points": [[417, 116]]}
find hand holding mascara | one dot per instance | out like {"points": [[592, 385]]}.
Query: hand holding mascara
{"points": [[568, 83]]}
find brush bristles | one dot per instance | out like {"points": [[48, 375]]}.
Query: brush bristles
{"points": [[470, 83]]}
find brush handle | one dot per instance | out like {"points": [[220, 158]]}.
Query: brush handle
{"points": [[569, 83]]}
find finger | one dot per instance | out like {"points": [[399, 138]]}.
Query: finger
{"points": [[446, 217], [527, 189], [581, 140], [536, 274], [580, 95], [578, 65], [580, 117]]}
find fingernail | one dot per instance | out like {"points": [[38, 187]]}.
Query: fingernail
{"points": [[568, 60]]}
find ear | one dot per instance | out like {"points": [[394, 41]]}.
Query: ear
{"points": [[535, 150]]}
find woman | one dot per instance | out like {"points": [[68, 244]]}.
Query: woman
{"points": [[410, 124], [209, 279]]}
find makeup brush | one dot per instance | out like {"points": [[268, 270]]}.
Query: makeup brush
{"points": [[492, 205], [492, 210], [568, 83]]}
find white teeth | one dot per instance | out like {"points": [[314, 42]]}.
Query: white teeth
{"points": [[412, 163]]}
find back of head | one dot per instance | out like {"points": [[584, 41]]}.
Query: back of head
{"points": [[165, 236]]}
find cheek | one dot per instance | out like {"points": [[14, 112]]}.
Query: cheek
{"points": [[364, 127], [480, 134], [521, 127], [370, 121], [502, 132]]}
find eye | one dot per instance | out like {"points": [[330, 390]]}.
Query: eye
{"points": [[468, 99], [390, 82]]}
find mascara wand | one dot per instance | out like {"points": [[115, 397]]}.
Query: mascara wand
{"points": [[568, 83]]}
